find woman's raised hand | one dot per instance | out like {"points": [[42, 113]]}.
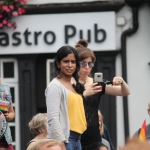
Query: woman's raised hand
{"points": [[118, 80], [92, 89]]}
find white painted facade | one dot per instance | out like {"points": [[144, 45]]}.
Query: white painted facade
{"points": [[138, 68], [138, 71]]}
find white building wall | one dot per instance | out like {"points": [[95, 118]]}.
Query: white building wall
{"points": [[138, 57], [119, 107], [138, 71], [124, 13]]}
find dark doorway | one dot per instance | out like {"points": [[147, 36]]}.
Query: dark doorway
{"points": [[106, 65]]}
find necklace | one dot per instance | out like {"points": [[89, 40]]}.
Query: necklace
{"points": [[84, 81]]}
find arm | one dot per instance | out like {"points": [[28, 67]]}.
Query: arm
{"points": [[118, 88], [92, 89], [53, 100], [10, 114]]}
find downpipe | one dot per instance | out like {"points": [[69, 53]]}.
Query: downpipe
{"points": [[124, 66]]}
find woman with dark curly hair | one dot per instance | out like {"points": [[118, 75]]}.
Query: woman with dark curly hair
{"points": [[66, 116], [93, 92]]}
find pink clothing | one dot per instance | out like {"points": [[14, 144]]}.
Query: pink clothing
{"points": [[5, 145]]}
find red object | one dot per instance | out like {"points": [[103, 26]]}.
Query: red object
{"points": [[5, 145], [21, 11]]}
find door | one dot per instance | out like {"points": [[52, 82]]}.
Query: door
{"points": [[105, 63]]}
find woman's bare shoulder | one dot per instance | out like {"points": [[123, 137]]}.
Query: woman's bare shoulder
{"points": [[32, 142], [73, 81]]}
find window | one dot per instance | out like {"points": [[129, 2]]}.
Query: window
{"points": [[9, 74], [50, 70]]}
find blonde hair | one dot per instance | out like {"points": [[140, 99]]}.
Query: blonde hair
{"points": [[100, 117], [46, 142], [136, 144], [37, 123]]}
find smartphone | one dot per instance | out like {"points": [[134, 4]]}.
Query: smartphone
{"points": [[98, 77]]}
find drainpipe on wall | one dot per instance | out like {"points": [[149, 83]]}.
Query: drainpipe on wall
{"points": [[134, 5]]}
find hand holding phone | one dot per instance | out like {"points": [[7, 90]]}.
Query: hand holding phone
{"points": [[98, 77]]}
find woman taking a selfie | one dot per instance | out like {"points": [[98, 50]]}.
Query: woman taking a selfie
{"points": [[66, 116], [93, 92]]}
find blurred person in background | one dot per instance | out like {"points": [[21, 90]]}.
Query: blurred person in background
{"points": [[47, 144], [9, 113], [136, 134], [135, 144], [38, 127], [97, 146], [101, 128]]}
